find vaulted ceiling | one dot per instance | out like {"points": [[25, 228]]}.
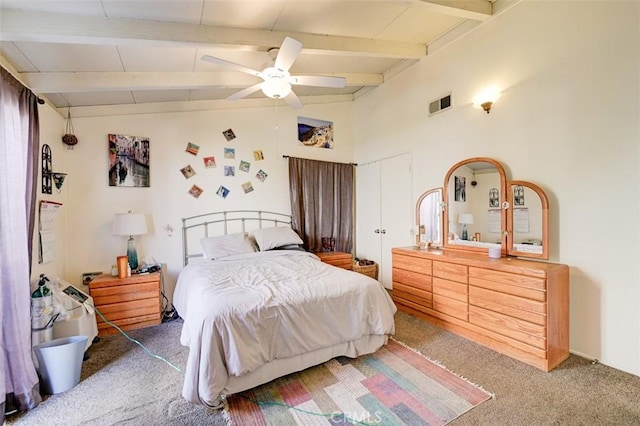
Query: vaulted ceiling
{"points": [[91, 53]]}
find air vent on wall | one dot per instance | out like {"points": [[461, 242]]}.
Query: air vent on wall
{"points": [[442, 104]]}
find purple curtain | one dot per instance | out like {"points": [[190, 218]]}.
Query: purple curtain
{"points": [[19, 144], [322, 202]]}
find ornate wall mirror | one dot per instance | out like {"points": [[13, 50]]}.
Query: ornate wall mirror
{"points": [[478, 209], [474, 192], [528, 221], [429, 218]]}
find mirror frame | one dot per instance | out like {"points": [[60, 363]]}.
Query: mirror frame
{"points": [[545, 221], [418, 203], [503, 206]]}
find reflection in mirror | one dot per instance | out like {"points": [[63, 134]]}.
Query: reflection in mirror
{"points": [[529, 217], [429, 218], [474, 204]]}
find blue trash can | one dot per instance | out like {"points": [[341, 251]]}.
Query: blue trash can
{"points": [[60, 363]]}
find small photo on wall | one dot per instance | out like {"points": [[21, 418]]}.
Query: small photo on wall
{"points": [[187, 171], [223, 191], [192, 148], [196, 191], [247, 187], [229, 153], [229, 170], [229, 135], [261, 175], [258, 155], [245, 166], [209, 162]]}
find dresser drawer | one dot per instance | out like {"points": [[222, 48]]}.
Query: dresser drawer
{"points": [[412, 263], [412, 279], [412, 294], [451, 271], [450, 289], [514, 306], [523, 331], [450, 307], [504, 282]]}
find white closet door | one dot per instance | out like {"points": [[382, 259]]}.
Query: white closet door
{"points": [[368, 212], [384, 211], [396, 210]]}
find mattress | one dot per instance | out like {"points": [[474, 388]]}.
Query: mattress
{"points": [[248, 317]]}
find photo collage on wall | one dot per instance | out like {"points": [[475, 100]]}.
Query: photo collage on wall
{"points": [[231, 168]]}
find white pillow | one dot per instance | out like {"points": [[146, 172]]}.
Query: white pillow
{"points": [[270, 238], [227, 245]]}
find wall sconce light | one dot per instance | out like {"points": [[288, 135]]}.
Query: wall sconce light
{"points": [[486, 99]]}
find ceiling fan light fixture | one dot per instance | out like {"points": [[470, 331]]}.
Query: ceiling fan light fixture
{"points": [[276, 84]]}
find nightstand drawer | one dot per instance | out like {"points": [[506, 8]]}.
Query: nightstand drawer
{"points": [[130, 303], [108, 295], [336, 258]]}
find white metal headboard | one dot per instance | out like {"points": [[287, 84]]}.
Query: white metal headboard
{"points": [[223, 223]]}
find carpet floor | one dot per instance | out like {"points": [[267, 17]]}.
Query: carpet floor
{"points": [[122, 385], [394, 386]]}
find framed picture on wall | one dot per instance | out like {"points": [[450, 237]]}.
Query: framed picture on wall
{"points": [[460, 183], [518, 195], [128, 158]]}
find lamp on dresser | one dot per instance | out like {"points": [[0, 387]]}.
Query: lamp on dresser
{"points": [[465, 219], [130, 224]]}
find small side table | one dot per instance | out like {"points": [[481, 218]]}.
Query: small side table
{"points": [[337, 258], [130, 303]]}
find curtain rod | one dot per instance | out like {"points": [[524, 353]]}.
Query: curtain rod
{"points": [[286, 156]]}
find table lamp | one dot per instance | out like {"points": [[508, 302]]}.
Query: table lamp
{"points": [[130, 224], [465, 219]]}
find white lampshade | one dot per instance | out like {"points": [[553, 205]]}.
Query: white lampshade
{"points": [[465, 218], [129, 224], [276, 87]]}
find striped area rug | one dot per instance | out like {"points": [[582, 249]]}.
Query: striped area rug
{"points": [[394, 386]]}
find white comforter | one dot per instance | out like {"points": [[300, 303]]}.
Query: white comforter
{"points": [[243, 311]]}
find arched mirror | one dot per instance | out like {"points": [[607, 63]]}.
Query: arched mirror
{"points": [[528, 223], [474, 192], [429, 218]]}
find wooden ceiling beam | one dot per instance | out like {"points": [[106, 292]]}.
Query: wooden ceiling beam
{"points": [[66, 82], [30, 26], [478, 10]]}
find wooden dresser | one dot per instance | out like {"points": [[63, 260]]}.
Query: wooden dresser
{"points": [[337, 258], [130, 303], [517, 307]]}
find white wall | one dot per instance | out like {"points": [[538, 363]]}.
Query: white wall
{"points": [[567, 120], [51, 130], [92, 203]]}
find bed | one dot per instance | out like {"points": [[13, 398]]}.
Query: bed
{"points": [[254, 314]]}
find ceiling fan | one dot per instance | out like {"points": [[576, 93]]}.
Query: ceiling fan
{"points": [[277, 79]]}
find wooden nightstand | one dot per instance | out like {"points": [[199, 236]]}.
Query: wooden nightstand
{"points": [[337, 258], [130, 303]]}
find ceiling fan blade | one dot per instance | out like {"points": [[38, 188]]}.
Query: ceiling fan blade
{"points": [[245, 92], [318, 81], [293, 100], [288, 53], [231, 65]]}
